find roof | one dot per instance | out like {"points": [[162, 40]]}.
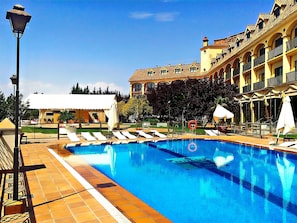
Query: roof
{"points": [[6, 124], [71, 101], [156, 75]]}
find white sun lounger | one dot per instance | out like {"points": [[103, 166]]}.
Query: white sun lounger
{"points": [[73, 137], [99, 136], [161, 135], [88, 136], [211, 132], [119, 135], [129, 135], [145, 135]]}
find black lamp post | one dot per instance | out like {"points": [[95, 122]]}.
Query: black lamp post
{"points": [[18, 19]]}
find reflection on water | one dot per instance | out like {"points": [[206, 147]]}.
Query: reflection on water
{"points": [[257, 185]]}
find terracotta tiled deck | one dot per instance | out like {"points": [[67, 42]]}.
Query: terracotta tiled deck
{"points": [[59, 197]]}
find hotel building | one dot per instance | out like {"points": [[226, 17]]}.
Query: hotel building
{"points": [[261, 61]]}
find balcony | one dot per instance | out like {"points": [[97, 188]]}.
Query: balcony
{"points": [[275, 52], [259, 60], [247, 66], [275, 81], [236, 71], [228, 75], [259, 85], [291, 76], [291, 44], [246, 88]]}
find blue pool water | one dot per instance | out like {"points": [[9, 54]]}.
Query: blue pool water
{"points": [[203, 180]]}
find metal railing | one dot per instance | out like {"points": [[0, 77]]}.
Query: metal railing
{"points": [[275, 52]]}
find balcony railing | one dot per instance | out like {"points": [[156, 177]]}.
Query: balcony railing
{"points": [[259, 60], [275, 81], [291, 76], [259, 85], [247, 66], [228, 75], [246, 88], [291, 44], [236, 71], [275, 52]]}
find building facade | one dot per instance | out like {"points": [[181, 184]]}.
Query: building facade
{"points": [[261, 61], [144, 80]]}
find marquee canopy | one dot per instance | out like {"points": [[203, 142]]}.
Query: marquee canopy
{"points": [[71, 101], [92, 102]]}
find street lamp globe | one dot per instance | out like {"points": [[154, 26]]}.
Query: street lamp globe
{"points": [[18, 19]]}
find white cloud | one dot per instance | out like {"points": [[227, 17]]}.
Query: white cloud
{"points": [[28, 87], [166, 16], [160, 17], [141, 15]]}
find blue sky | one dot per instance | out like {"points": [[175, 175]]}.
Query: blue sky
{"points": [[101, 43]]}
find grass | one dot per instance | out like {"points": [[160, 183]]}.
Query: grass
{"points": [[34, 129]]}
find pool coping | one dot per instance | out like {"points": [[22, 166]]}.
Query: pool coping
{"points": [[115, 213], [122, 201]]}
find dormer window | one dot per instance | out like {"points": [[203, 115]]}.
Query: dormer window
{"points": [[177, 70], [260, 24], [163, 72], [193, 69], [276, 11], [150, 73], [248, 34]]}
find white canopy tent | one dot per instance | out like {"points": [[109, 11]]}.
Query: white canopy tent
{"points": [[107, 103]]}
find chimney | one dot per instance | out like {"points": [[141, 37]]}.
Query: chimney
{"points": [[205, 41]]}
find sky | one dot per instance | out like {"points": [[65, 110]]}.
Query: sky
{"points": [[100, 43]]}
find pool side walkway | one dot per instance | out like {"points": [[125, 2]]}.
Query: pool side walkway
{"points": [[58, 196]]}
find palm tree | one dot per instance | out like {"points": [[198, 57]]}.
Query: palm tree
{"points": [[220, 101]]}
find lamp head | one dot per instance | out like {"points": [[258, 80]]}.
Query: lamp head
{"points": [[13, 79], [18, 19]]}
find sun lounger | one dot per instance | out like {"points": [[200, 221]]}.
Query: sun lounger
{"points": [[161, 135], [119, 135], [99, 136], [73, 137], [88, 136], [143, 134], [129, 135], [211, 132]]}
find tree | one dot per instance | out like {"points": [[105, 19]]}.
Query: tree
{"points": [[10, 107], [191, 98], [137, 106], [3, 106], [65, 116]]}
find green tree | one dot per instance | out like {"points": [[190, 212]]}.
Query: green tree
{"points": [[65, 116], [137, 106], [3, 106]]}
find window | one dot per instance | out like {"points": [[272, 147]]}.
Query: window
{"points": [[248, 34], [260, 24], [137, 87], [279, 42], [295, 31], [276, 11], [177, 70], [261, 77], [163, 72], [278, 71], [149, 73], [193, 69], [150, 86], [262, 51]]}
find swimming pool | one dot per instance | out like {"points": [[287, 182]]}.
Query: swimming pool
{"points": [[202, 180]]}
